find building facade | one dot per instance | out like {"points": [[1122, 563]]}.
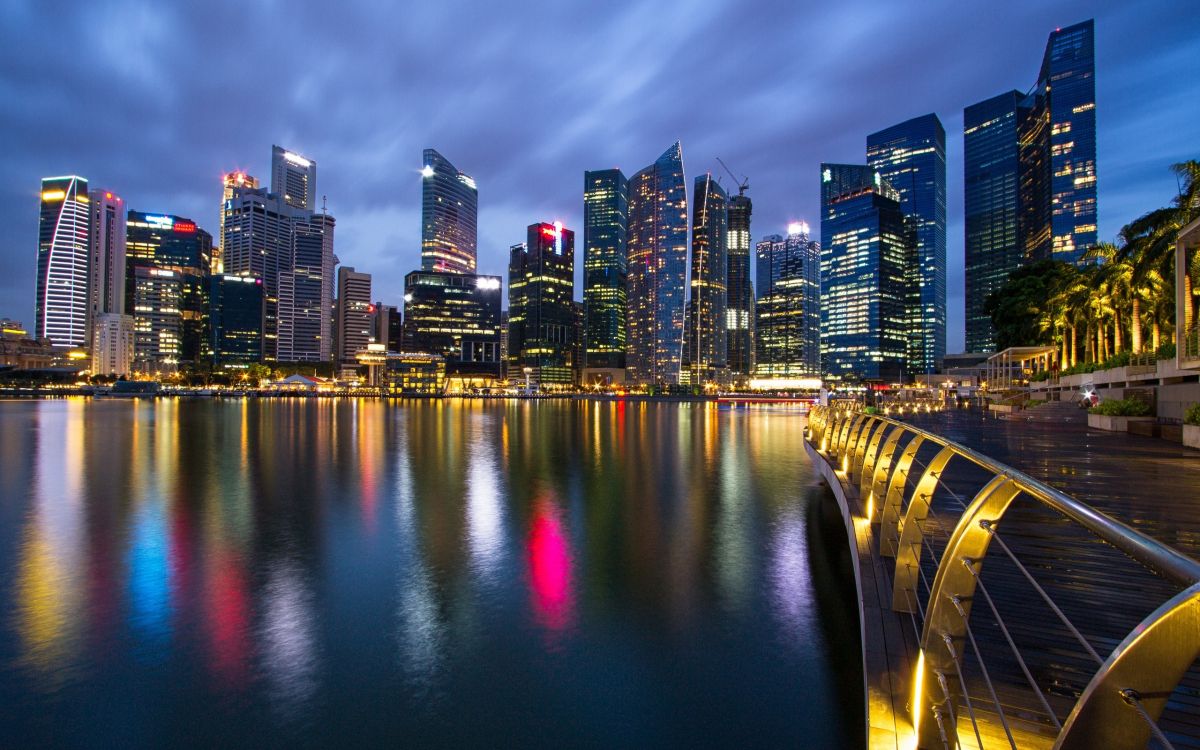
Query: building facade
{"points": [[64, 250], [605, 227], [157, 302], [657, 271], [306, 293], [706, 335], [355, 314], [541, 308], [236, 179], [112, 344], [107, 290], [235, 321], [739, 305], [387, 327], [866, 248], [294, 178], [449, 214], [457, 316], [788, 324], [911, 157]]}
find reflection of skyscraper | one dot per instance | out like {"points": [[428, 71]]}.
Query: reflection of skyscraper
{"points": [[739, 306], [706, 335], [866, 249], [64, 243], [788, 327], [294, 178], [1030, 174], [911, 157], [449, 204], [657, 253], [605, 225], [541, 310]]}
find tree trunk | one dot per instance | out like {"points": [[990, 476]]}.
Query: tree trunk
{"points": [[1154, 336], [1117, 333], [1135, 327], [1074, 346]]}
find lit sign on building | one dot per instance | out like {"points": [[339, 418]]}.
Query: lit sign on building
{"points": [[162, 222], [297, 159], [483, 282]]}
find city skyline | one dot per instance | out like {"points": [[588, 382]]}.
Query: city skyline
{"points": [[524, 176]]}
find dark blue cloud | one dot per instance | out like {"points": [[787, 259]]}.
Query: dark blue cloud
{"points": [[156, 100]]}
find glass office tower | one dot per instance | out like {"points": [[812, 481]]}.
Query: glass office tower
{"points": [[739, 304], [866, 248], [911, 157], [541, 307], [235, 321], [457, 316], [449, 209], [705, 339], [657, 256], [64, 249], [788, 312], [605, 223], [294, 178]]}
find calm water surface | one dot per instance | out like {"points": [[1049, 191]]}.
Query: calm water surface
{"points": [[361, 573]]}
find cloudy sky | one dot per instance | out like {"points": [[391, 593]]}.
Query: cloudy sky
{"points": [[156, 100]]}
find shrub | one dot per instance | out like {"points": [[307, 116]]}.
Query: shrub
{"points": [[1192, 416], [1121, 407]]}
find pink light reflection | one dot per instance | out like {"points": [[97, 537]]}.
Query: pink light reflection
{"points": [[549, 554]]}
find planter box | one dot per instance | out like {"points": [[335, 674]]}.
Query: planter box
{"points": [[1114, 424], [1001, 408], [1191, 435]]}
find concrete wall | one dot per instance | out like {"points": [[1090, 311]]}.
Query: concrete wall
{"points": [[1173, 399]]}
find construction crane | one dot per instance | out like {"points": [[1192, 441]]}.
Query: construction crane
{"points": [[744, 185]]}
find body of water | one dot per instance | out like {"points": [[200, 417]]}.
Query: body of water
{"points": [[329, 572]]}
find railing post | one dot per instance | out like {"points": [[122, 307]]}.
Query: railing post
{"points": [[860, 446], [852, 438], [883, 467], [867, 478], [889, 524], [908, 552], [955, 582], [1144, 669]]}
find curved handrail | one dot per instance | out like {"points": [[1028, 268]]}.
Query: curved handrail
{"points": [[945, 626]]}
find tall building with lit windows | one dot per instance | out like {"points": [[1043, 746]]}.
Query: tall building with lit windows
{"points": [[605, 225], [911, 157], [788, 325], [867, 246], [294, 178], [739, 305], [449, 213], [355, 314], [541, 307], [1030, 175], [235, 321], [657, 272], [306, 293], [64, 252], [235, 179], [705, 337], [456, 316], [107, 292]]}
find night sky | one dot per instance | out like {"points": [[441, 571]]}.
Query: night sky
{"points": [[156, 100]]}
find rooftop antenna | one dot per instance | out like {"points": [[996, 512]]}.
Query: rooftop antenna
{"points": [[743, 185]]}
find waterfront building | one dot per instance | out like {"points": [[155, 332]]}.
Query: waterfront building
{"points": [[235, 179], [412, 373], [107, 284], [64, 250], [449, 208], [354, 314], [294, 178], [541, 308], [739, 305], [19, 351], [605, 227], [306, 293], [1030, 175], [866, 248], [235, 321], [112, 343], [911, 157], [657, 270], [176, 244], [457, 316], [706, 338], [788, 312]]}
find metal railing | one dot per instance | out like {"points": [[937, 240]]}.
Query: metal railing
{"points": [[1120, 705]]}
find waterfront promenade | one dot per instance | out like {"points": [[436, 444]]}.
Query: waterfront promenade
{"points": [[1041, 624]]}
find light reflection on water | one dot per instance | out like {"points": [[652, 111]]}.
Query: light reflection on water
{"points": [[258, 572]]}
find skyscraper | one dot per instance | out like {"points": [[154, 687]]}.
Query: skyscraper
{"points": [[1068, 79], [235, 321], [788, 326], [739, 306], [449, 207], [1030, 174], [306, 293], [112, 343], [107, 293], [457, 316], [866, 247], [911, 157], [657, 257], [354, 314], [64, 249], [706, 327], [605, 227], [541, 308], [294, 178], [229, 181]]}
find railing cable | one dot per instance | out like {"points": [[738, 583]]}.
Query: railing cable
{"points": [[957, 602], [1134, 699], [962, 681]]}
